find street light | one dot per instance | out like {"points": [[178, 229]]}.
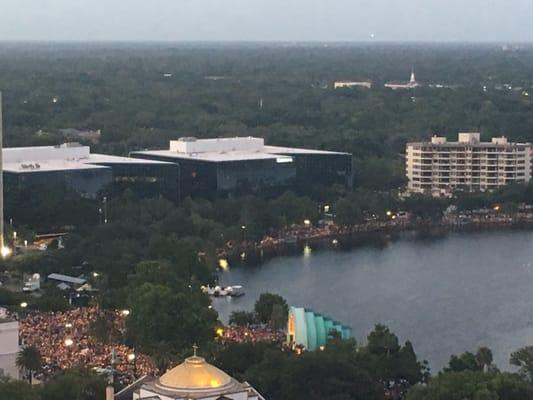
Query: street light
{"points": [[125, 312], [24, 304], [69, 342], [326, 208], [105, 210], [307, 222], [133, 359], [5, 251], [223, 264], [389, 213]]}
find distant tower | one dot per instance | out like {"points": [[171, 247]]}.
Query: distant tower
{"points": [[413, 79], [1, 181]]}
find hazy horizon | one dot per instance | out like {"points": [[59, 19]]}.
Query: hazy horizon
{"points": [[338, 21]]}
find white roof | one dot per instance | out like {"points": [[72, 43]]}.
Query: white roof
{"points": [[296, 150], [66, 278], [48, 165], [60, 158], [228, 149], [212, 156]]}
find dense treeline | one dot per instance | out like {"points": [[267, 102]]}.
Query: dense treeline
{"points": [[153, 255], [381, 368], [281, 93]]}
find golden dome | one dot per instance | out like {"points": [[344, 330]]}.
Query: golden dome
{"points": [[194, 374]]}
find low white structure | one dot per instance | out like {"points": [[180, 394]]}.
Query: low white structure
{"points": [[9, 346], [194, 379], [352, 84], [398, 85], [439, 167], [229, 149], [67, 156]]}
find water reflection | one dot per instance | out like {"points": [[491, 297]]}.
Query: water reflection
{"points": [[447, 295]]}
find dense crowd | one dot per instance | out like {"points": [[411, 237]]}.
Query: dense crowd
{"points": [[64, 341], [240, 334]]}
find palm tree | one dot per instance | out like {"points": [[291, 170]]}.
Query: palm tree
{"points": [[29, 359]]}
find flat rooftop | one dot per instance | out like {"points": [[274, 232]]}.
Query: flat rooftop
{"points": [[65, 157], [229, 149], [468, 139]]}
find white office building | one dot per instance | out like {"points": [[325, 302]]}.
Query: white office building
{"points": [[440, 167], [352, 84], [9, 345]]}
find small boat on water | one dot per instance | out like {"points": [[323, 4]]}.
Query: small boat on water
{"points": [[228, 291]]}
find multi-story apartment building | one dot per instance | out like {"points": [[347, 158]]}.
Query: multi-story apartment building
{"points": [[440, 167]]}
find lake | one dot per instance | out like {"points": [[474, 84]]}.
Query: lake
{"points": [[446, 295]]}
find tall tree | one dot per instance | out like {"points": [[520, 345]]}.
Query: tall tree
{"points": [[77, 383], [29, 359], [17, 390], [523, 359], [264, 306], [169, 317]]}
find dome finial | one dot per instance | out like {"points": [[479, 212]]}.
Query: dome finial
{"points": [[194, 349]]}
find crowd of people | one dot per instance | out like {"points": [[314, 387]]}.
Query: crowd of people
{"points": [[64, 341], [241, 334]]}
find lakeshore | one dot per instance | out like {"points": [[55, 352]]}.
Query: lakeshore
{"points": [[296, 239], [446, 295]]}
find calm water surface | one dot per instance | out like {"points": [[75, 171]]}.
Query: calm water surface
{"points": [[446, 295]]}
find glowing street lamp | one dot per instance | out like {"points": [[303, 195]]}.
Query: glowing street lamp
{"points": [[23, 304], [389, 213], [5, 251], [69, 342], [133, 359], [307, 222], [125, 313], [223, 264]]}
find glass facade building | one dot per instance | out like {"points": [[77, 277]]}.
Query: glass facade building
{"points": [[72, 167], [210, 167], [207, 179], [88, 182]]}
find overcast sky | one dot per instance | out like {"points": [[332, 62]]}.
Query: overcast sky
{"points": [[267, 20]]}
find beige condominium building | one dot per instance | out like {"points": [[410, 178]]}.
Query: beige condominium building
{"points": [[440, 167]]}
